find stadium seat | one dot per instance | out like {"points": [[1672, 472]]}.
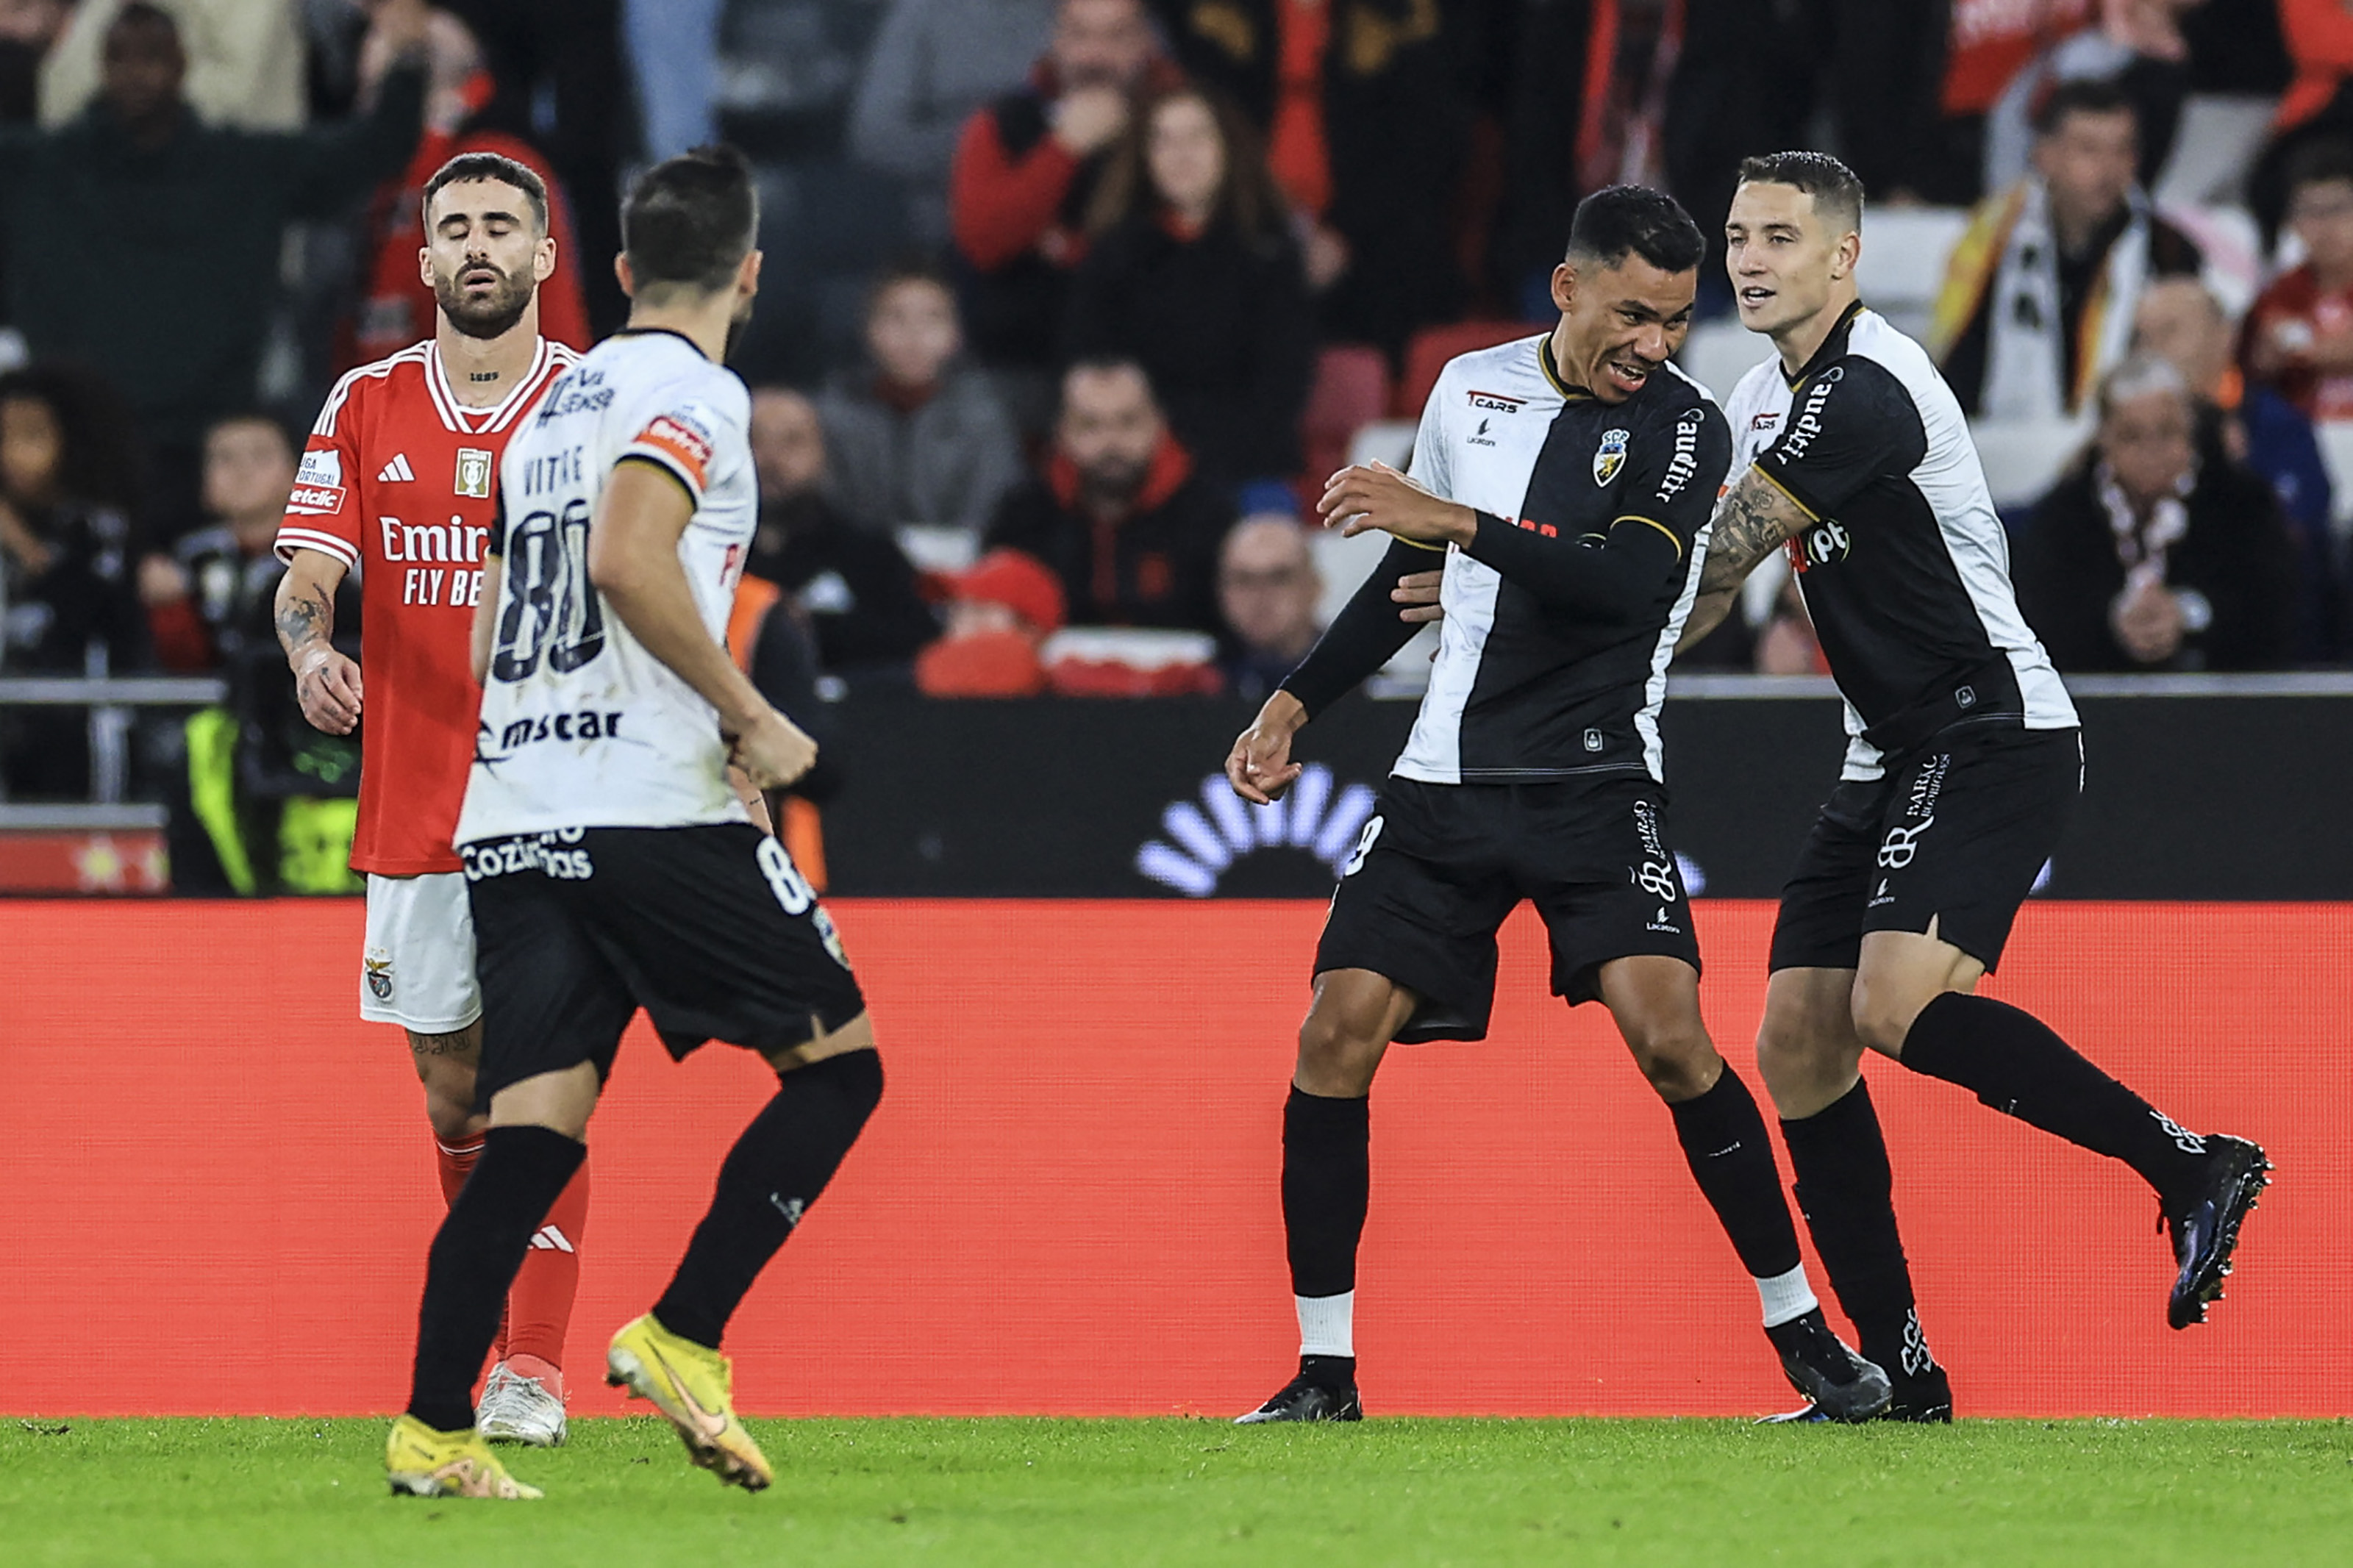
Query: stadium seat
{"points": [[1431, 347], [1902, 265], [2023, 459], [1719, 353], [2233, 247], [2336, 437], [1386, 441], [1351, 390]]}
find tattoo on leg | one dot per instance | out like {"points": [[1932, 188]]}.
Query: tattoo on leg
{"points": [[456, 1045]]}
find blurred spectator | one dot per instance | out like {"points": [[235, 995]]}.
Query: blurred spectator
{"points": [[933, 65], [2180, 321], [66, 603], [999, 612], [2039, 296], [852, 583], [674, 53], [1027, 166], [1987, 42], [397, 309], [561, 85], [1356, 103], [245, 61], [2299, 333], [2139, 45], [1193, 274], [2144, 557], [211, 597], [918, 436], [27, 29], [166, 282], [1118, 515], [1268, 589]]}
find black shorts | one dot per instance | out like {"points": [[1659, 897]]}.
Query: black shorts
{"points": [[1441, 866], [709, 930], [1956, 832]]}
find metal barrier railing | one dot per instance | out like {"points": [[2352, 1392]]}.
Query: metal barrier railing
{"points": [[111, 701]]}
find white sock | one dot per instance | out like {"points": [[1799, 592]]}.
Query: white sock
{"points": [[1327, 1324], [1787, 1298]]}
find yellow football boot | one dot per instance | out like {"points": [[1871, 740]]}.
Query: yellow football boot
{"points": [[422, 1462], [693, 1388]]}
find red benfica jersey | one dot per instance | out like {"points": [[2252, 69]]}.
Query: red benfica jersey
{"points": [[398, 483]]}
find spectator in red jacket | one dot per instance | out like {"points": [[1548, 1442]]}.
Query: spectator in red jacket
{"points": [[397, 308], [1119, 515], [1027, 166]]}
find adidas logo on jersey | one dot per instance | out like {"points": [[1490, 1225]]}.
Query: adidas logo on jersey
{"points": [[397, 471], [547, 1238]]}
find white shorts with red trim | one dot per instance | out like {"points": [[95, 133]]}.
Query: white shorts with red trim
{"points": [[418, 968]]}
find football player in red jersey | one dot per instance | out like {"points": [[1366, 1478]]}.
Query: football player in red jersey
{"points": [[399, 481]]}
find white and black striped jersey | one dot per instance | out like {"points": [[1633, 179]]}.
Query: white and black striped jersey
{"points": [[1906, 570], [1562, 615]]}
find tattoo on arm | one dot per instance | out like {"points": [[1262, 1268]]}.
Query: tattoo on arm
{"points": [[1750, 522], [308, 616]]}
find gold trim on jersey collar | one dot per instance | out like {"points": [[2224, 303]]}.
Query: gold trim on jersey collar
{"points": [[1845, 325], [1552, 374]]}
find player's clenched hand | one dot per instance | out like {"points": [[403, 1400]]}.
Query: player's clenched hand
{"points": [[774, 752], [1367, 496], [1418, 591], [327, 684], [1260, 767]]}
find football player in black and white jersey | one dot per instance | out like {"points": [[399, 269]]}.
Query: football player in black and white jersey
{"points": [[1963, 763], [1564, 481], [610, 863]]}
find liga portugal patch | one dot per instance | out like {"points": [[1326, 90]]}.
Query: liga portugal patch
{"points": [[683, 442]]}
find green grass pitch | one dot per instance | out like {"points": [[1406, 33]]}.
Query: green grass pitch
{"points": [[1167, 1491]]}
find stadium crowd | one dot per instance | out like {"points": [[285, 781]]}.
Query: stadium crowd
{"points": [[1070, 302]]}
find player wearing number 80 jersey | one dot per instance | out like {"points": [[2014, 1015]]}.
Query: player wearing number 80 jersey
{"points": [[610, 863]]}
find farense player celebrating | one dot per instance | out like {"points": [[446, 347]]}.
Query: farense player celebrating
{"points": [[398, 481]]}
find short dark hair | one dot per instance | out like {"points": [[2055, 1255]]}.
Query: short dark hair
{"points": [[467, 167], [2082, 95], [1653, 224], [1106, 364], [915, 268], [250, 416], [690, 220], [1836, 190], [146, 13], [2325, 161]]}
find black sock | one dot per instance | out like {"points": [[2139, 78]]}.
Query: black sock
{"points": [[1326, 1177], [1724, 1141], [2012, 1061], [771, 1176], [481, 1243], [1846, 1191]]}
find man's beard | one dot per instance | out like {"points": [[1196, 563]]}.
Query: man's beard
{"points": [[492, 315], [736, 326], [1112, 483]]}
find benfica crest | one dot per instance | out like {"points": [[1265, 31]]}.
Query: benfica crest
{"points": [[1609, 456], [379, 977]]}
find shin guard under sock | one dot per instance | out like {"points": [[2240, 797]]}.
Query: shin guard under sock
{"points": [[1846, 1191], [474, 1261], [1731, 1158], [2015, 1063], [770, 1177]]}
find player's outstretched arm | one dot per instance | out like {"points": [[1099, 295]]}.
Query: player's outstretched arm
{"points": [[633, 562], [326, 683], [1752, 521]]}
